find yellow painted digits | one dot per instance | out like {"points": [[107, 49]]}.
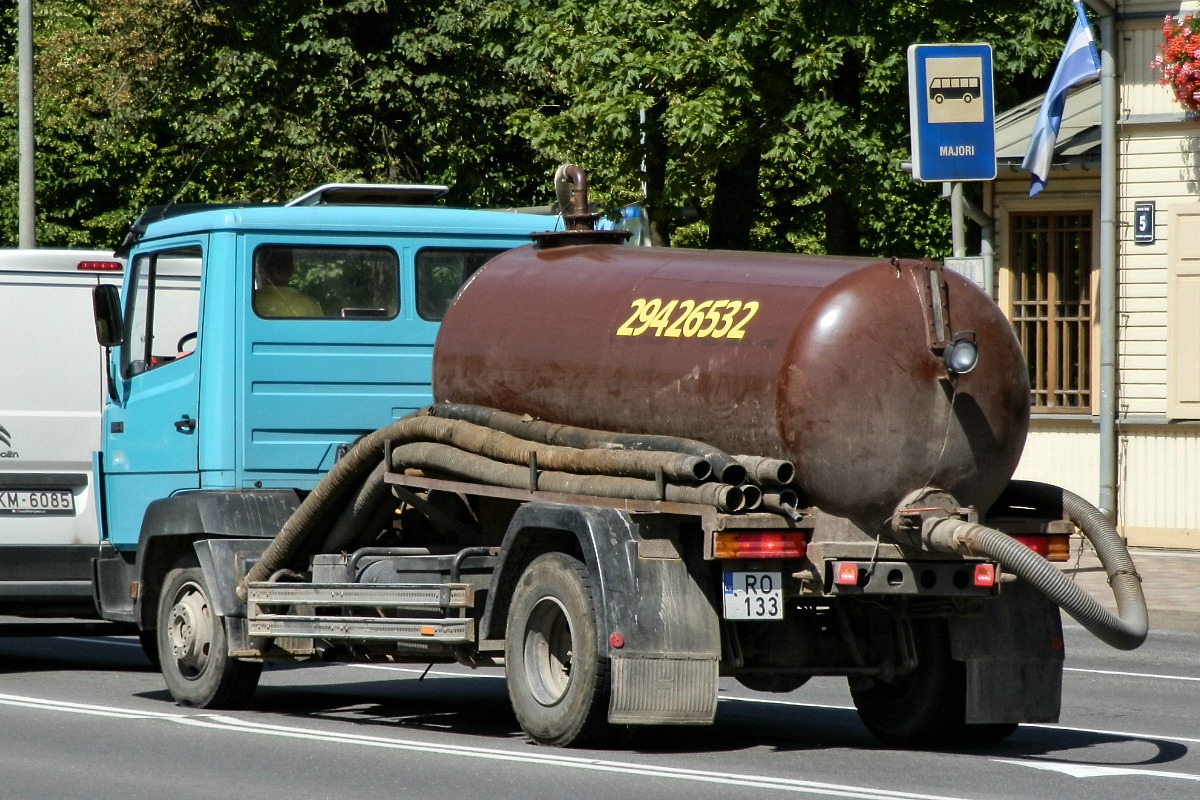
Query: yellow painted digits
{"points": [[690, 319]]}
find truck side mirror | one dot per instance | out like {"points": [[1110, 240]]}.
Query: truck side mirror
{"points": [[106, 306]]}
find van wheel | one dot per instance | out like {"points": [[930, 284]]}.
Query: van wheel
{"points": [[192, 649], [557, 681]]}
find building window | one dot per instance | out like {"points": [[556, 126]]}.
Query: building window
{"points": [[1052, 307]]}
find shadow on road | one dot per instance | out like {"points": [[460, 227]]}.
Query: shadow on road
{"points": [[478, 707]]}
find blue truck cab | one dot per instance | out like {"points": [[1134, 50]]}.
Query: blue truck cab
{"points": [[248, 346]]}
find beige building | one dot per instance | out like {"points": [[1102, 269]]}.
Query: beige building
{"points": [[1118, 422]]}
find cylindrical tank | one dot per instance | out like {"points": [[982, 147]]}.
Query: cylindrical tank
{"points": [[836, 364]]}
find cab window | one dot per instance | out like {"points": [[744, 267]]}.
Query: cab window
{"points": [[326, 282], [440, 274], [164, 309]]}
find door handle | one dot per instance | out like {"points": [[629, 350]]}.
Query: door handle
{"points": [[185, 425]]}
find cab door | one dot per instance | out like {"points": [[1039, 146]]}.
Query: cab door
{"points": [[151, 426]]}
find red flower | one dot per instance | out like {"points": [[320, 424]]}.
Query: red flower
{"points": [[1178, 60]]}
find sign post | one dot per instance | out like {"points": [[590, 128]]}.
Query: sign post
{"points": [[951, 113]]}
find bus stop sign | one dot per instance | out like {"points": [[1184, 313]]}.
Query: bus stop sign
{"points": [[950, 110]]}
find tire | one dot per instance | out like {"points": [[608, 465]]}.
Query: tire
{"points": [[558, 682], [192, 649], [148, 639], [927, 706]]}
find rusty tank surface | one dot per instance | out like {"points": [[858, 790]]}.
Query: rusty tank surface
{"points": [[875, 377]]}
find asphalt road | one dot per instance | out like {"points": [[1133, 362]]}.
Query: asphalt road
{"points": [[87, 717]]}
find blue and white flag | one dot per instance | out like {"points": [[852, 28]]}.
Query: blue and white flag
{"points": [[1080, 62]]}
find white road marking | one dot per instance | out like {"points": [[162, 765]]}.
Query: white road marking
{"points": [[1096, 771], [1131, 674], [542, 759]]}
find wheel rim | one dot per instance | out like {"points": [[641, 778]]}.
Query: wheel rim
{"points": [[189, 629], [549, 649]]}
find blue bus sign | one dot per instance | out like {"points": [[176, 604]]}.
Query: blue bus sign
{"points": [[951, 115]]}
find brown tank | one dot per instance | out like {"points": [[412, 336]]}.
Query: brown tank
{"points": [[838, 365]]}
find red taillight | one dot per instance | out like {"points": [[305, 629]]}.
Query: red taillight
{"points": [[985, 575], [99, 266], [767, 544], [1049, 547], [846, 575]]}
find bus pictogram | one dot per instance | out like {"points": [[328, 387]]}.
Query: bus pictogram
{"points": [[965, 88]]}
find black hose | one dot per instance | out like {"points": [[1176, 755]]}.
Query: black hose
{"points": [[447, 459], [724, 466], [327, 497], [501, 446], [360, 513], [768, 471], [1124, 631]]}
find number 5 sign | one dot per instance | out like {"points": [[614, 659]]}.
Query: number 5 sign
{"points": [[1143, 223]]}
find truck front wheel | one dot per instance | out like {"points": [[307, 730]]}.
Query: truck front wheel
{"points": [[557, 680], [192, 648]]}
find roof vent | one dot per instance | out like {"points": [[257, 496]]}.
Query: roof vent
{"points": [[371, 194]]}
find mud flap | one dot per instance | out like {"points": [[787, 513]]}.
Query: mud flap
{"points": [[667, 672], [1014, 658], [663, 690]]}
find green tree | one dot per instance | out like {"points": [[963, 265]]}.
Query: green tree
{"points": [[145, 102], [782, 121], [774, 124]]}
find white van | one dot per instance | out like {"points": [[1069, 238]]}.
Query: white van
{"points": [[52, 390]]}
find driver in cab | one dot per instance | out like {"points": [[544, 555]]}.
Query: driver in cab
{"points": [[274, 296]]}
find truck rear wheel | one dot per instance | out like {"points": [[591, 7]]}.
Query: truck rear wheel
{"points": [[557, 680], [928, 705], [192, 648]]}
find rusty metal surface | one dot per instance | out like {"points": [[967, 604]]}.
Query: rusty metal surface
{"points": [[834, 368]]}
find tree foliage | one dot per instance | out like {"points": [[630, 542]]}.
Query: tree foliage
{"points": [[774, 124], [797, 106]]}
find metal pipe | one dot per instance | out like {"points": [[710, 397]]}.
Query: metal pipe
{"points": [[462, 555], [781, 501], [381, 552], [1108, 266], [570, 187]]}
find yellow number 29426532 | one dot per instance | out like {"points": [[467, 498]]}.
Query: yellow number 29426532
{"points": [[689, 319]]}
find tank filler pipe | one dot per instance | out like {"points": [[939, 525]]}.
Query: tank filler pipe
{"points": [[570, 189], [724, 466], [1124, 631]]}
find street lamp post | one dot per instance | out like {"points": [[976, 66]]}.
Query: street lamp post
{"points": [[26, 210]]}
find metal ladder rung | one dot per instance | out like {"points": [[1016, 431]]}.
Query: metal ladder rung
{"points": [[407, 595], [442, 631]]}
